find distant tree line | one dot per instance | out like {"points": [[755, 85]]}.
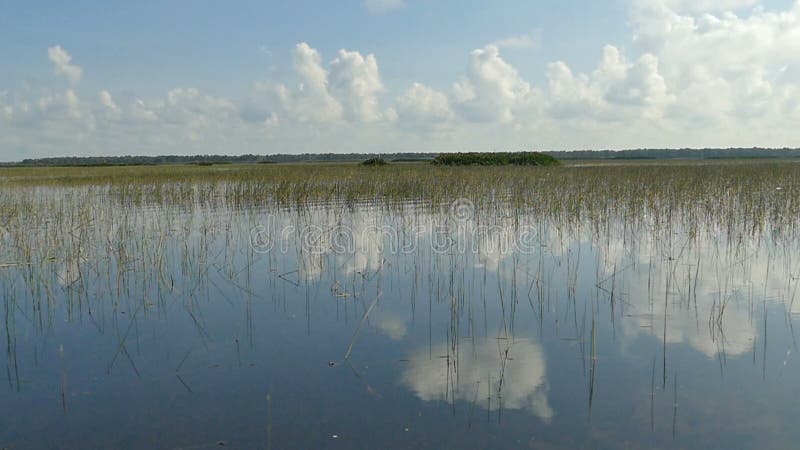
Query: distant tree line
{"points": [[684, 153], [495, 159], [708, 153], [130, 160]]}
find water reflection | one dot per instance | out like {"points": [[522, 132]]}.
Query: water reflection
{"points": [[535, 317], [390, 325], [689, 293], [492, 374], [687, 288]]}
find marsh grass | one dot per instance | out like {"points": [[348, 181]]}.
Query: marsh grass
{"points": [[756, 193]]}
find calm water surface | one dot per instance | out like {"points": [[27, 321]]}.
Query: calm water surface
{"points": [[402, 327]]}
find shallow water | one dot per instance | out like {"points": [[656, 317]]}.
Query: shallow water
{"points": [[375, 327]]}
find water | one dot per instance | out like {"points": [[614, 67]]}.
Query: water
{"points": [[401, 327]]}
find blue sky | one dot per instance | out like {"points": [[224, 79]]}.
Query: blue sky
{"points": [[154, 77], [152, 46]]}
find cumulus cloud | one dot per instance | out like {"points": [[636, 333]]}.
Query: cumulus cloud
{"points": [[347, 90], [311, 101], [382, 6], [692, 74], [191, 102], [180, 107], [724, 67], [616, 90], [62, 64], [36, 119], [421, 104], [492, 89], [188, 114], [356, 81], [696, 73], [570, 94], [54, 105], [697, 6]]}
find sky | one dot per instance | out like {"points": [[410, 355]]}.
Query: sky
{"points": [[89, 78]]}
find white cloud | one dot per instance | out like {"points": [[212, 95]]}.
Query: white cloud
{"points": [[522, 41], [492, 90], [421, 104], [61, 62], [141, 112], [725, 68], [54, 105], [6, 110], [311, 101], [616, 90], [190, 103], [692, 74], [108, 101], [697, 6], [355, 81], [347, 91], [43, 122], [382, 6], [571, 95], [184, 115]]}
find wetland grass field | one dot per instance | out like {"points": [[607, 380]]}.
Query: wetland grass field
{"points": [[635, 304]]}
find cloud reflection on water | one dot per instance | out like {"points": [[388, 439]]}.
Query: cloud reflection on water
{"points": [[641, 260], [492, 374]]}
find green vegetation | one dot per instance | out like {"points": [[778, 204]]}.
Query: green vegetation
{"points": [[377, 161], [495, 159], [737, 194]]}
